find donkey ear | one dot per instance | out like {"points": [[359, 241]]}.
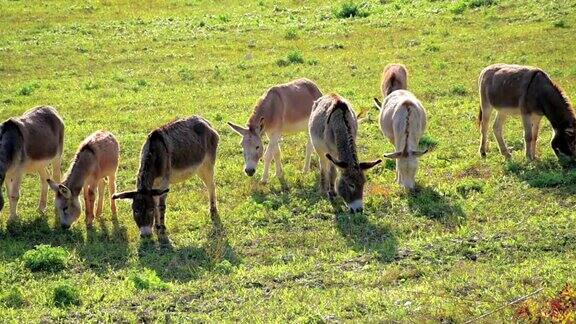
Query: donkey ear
{"points": [[125, 195], [64, 191], [377, 103], [53, 185], [418, 153], [238, 129], [260, 126], [159, 192], [369, 165], [340, 164], [394, 155]]}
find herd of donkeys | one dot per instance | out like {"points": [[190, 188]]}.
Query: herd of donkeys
{"points": [[179, 149]]}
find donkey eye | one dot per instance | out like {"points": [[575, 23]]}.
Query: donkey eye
{"points": [[257, 147]]}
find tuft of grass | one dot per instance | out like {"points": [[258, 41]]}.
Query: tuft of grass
{"points": [[427, 142], [291, 33], [560, 23], [460, 6], [46, 258], [293, 57], [13, 298], [147, 279], [459, 90], [468, 186], [66, 295], [28, 89], [350, 10]]}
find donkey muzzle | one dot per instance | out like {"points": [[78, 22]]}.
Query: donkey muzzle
{"points": [[250, 171]]}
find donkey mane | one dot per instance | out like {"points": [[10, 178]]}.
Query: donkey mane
{"points": [[339, 105]]}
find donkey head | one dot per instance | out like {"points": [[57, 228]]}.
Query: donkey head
{"points": [[351, 182], [564, 142], [251, 145], [67, 205], [143, 207], [407, 166]]}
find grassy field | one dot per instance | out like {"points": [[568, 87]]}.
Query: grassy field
{"points": [[477, 235]]}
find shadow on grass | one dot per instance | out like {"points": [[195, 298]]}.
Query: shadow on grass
{"points": [[429, 203], [556, 177], [363, 235], [276, 197], [102, 249], [187, 263]]}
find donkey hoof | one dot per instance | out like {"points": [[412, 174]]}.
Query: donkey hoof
{"points": [[331, 196]]}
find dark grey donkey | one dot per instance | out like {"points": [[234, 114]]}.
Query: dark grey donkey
{"points": [[528, 91], [333, 127], [172, 153], [29, 144]]}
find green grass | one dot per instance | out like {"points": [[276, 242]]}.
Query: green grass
{"points": [[474, 236]]}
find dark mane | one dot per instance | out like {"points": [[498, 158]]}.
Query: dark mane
{"points": [[340, 105]]}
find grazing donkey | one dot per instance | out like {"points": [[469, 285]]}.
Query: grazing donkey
{"points": [[528, 91], [96, 159], [27, 144], [333, 129], [283, 109], [394, 77], [173, 153], [403, 122]]}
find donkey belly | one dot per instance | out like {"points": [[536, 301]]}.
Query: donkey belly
{"points": [[297, 127], [179, 175]]}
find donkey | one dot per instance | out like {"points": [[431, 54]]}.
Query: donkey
{"points": [[333, 128], [30, 143], [283, 109], [403, 122], [394, 77], [528, 91], [96, 159], [171, 154]]}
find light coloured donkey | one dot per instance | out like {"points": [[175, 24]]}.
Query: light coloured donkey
{"points": [[394, 77], [171, 154], [29, 144], [529, 92], [333, 128], [283, 109], [96, 160], [403, 122]]}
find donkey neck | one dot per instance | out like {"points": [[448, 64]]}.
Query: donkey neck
{"points": [[561, 116], [262, 110], [344, 139], [153, 162], [84, 163]]}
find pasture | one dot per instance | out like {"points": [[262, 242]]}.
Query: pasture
{"points": [[478, 234]]}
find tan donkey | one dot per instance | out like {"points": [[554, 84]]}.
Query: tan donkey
{"points": [[529, 92], [96, 159], [29, 144], [283, 109]]}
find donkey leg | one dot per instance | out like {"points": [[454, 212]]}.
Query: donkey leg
{"points": [[112, 189], [278, 162], [43, 190], [89, 197], [324, 167], [207, 175], [535, 130], [101, 189], [161, 222], [527, 123], [498, 132], [309, 148], [14, 195], [486, 109], [331, 181], [269, 155], [57, 168]]}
